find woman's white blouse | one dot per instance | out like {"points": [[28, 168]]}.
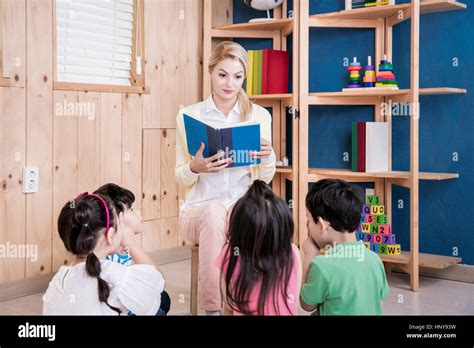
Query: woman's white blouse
{"points": [[229, 184]]}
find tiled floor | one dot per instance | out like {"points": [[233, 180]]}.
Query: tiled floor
{"points": [[436, 296]]}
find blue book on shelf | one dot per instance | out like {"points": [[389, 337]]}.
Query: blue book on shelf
{"points": [[236, 140]]}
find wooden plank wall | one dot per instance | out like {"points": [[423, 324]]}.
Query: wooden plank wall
{"points": [[81, 140]]}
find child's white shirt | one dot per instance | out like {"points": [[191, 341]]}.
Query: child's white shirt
{"points": [[136, 288]]}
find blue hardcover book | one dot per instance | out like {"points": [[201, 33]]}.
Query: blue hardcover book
{"points": [[236, 140]]}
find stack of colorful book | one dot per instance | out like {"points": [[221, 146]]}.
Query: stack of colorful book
{"points": [[370, 147], [268, 72]]}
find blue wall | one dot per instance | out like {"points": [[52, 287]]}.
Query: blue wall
{"points": [[446, 123]]}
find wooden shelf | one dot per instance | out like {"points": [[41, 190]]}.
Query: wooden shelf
{"points": [[382, 20], [331, 97], [385, 12], [441, 90], [284, 169], [91, 87], [286, 172], [318, 173], [276, 24], [271, 97], [424, 260]]}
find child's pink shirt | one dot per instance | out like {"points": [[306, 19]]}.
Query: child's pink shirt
{"points": [[292, 289]]}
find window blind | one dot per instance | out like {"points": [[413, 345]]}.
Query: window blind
{"points": [[94, 41]]}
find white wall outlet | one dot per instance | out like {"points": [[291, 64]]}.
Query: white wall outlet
{"points": [[30, 179]]}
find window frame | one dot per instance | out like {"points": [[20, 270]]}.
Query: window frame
{"points": [[137, 81]]}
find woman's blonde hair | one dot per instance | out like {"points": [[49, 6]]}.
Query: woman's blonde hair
{"points": [[233, 50]]}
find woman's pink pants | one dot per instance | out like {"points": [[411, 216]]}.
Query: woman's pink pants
{"points": [[206, 225]]}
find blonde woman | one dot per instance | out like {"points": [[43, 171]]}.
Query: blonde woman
{"points": [[211, 188]]}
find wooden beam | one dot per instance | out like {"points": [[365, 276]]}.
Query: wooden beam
{"points": [[39, 132], [414, 144], [152, 64], [206, 47], [138, 43], [342, 23], [91, 87], [151, 175], [303, 143], [315, 99], [229, 33]]}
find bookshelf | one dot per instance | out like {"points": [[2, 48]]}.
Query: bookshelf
{"points": [[218, 26], [382, 20]]}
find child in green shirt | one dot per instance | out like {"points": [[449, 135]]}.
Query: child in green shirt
{"points": [[348, 279]]}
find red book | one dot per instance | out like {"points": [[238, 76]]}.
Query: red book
{"points": [[361, 147], [275, 70]]}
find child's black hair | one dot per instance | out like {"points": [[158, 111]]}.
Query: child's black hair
{"points": [[337, 202], [260, 236], [121, 197], [80, 224]]}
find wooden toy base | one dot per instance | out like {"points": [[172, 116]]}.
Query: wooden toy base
{"points": [[370, 89]]}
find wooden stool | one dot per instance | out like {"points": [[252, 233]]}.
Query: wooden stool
{"points": [[194, 279]]}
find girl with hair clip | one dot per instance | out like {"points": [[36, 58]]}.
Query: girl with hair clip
{"points": [[260, 266], [90, 229], [211, 188]]}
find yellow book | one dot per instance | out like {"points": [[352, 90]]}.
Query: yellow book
{"points": [[249, 79]]}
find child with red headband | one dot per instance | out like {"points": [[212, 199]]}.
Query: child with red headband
{"points": [[91, 229], [123, 201]]}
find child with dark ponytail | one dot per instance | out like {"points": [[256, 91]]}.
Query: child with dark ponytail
{"points": [[91, 230], [260, 266]]}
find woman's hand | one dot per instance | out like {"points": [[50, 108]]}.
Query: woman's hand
{"points": [[265, 150], [199, 164]]}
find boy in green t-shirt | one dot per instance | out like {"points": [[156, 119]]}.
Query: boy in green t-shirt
{"points": [[348, 279]]}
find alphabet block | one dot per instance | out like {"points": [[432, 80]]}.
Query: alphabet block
{"points": [[393, 249], [365, 228], [359, 228], [374, 247], [360, 236], [362, 218], [374, 229], [372, 200], [382, 249], [368, 237], [388, 239], [367, 245], [366, 209], [385, 229], [377, 209], [369, 218], [377, 238], [380, 219]]}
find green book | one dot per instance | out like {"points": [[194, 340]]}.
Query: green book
{"points": [[354, 146], [259, 72]]}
